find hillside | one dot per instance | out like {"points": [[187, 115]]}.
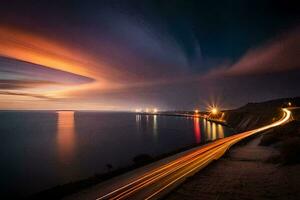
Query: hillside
{"points": [[253, 115]]}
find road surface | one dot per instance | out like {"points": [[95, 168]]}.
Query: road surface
{"points": [[156, 182]]}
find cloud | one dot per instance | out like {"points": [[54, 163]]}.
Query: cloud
{"points": [[269, 71], [121, 59], [21, 70], [279, 54], [22, 84], [40, 67], [40, 50], [26, 95], [131, 63]]}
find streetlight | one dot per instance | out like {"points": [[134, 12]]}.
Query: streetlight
{"points": [[214, 111], [196, 111]]}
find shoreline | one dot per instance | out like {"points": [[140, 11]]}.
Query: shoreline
{"points": [[89, 182], [71, 188], [113, 187], [223, 123]]}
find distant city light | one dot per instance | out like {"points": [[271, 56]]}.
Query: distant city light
{"points": [[289, 104], [196, 111], [138, 110], [146, 110], [214, 111]]}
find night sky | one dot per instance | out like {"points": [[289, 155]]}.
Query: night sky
{"points": [[122, 55]]}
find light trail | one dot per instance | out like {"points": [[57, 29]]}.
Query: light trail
{"points": [[156, 182]]}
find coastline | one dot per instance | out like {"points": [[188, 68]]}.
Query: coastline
{"points": [[60, 190], [223, 123], [71, 188]]}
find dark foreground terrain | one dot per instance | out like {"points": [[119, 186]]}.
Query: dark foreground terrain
{"points": [[253, 115], [264, 167]]}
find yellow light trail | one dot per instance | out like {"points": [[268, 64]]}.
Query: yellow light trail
{"points": [[154, 183]]}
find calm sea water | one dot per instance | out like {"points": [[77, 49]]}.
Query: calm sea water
{"points": [[42, 149]]}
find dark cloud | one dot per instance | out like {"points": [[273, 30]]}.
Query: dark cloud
{"points": [[22, 84], [279, 54], [38, 96], [237, 90], [25, 70]]}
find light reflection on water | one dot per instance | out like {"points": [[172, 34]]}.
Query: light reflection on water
{"points": [[138, 119], [154, 126], [197, 130], [203, 129], [65, 135], [213, 130], [143, 122], [220, 131], [208, 130], [74, 145]]}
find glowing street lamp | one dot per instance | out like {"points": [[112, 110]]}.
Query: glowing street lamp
{"points": [[155, 110], [289, 103], [196, 111], [214, 111]]}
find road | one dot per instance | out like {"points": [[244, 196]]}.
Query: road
{"points": [[156, 182]]}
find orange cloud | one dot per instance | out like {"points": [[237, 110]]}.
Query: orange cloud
{"points": [[33, 48], [28, 47], [24, 46]]}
